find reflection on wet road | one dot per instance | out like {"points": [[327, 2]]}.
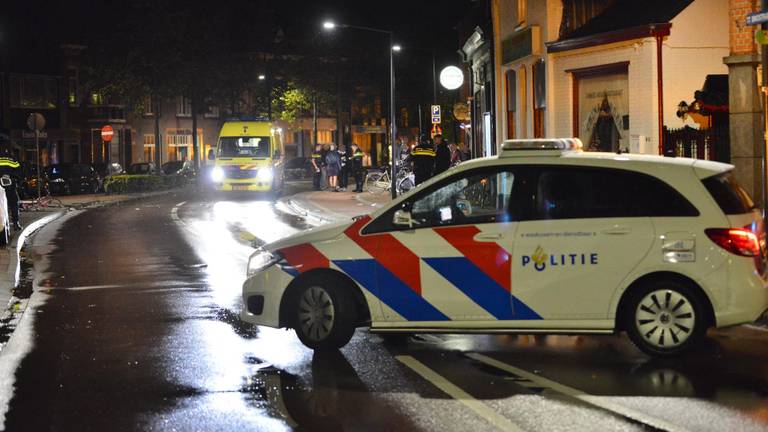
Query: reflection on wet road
{"points": [[134, 325]]}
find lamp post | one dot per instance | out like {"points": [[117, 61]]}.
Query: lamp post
{"points": [[330, 25]]}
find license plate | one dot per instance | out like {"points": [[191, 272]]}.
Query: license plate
{"points": [[240, 187]]}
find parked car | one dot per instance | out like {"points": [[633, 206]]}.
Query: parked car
{"points": [[72, 179], [28, 182], [141, 168], [183, 168], [298, 168], [542, 238]]}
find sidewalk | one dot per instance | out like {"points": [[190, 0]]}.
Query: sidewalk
{"points": [[321, 207]]}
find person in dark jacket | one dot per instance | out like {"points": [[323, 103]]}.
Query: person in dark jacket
{"points": [[333, 167], [442, 155], [317, 165], [423, 158], [356, 163], [344, 173], [10, 166]]}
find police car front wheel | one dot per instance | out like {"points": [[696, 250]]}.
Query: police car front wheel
{"points": [[324, 315], [665, 318]]}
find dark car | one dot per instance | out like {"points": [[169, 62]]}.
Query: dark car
{"points": [[141, 168], [298, 168], [183, 168], [72, 178], [28, 181], [105, 171]]}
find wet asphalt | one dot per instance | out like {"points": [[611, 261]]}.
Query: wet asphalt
{"points": [[134, 327]]}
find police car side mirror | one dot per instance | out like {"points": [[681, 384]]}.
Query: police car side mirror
{"points": [[402, 218], [5, 181]]}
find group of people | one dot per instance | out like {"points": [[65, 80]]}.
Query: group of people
{"points": [[432, 157], [336, 166]]}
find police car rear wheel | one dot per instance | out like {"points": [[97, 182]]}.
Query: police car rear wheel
{"points": [[665, 318], [325, 315]]}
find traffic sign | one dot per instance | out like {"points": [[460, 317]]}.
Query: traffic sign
{"points": [[106, 133], [757, 18], [436, 130], [436, 119], [435, 110], [35, 121]]}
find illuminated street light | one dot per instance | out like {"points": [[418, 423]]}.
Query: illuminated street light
{"points": [[330, 25], [262, 77]]}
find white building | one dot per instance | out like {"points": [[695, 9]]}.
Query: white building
{"points": [[590, 68]]}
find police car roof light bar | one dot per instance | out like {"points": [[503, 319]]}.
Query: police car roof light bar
{"points": [[562, 144]]}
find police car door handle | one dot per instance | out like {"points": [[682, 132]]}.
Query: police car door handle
{"points": [[617, 230], [488, 236]]}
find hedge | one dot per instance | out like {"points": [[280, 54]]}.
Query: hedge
{"points": [[127, 183]]}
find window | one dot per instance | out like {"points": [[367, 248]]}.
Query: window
{"points": [[577, 193], [478, 197], [178, 137], [149, 147], [33, 92], [184, 107], [511, 79], [212, 112], [522, 12], [522, 83], [257, 147], [72, 98], [539, 98], [148, 106], [728, 194], [97, 98], [577, 12]]}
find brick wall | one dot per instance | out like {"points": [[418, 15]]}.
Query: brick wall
{"points": [[742, 36]]}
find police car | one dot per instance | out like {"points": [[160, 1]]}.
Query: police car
{"points": [[543, 238]]}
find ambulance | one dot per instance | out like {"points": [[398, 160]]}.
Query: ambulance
{"points": [[543, 238], [248, 157]]}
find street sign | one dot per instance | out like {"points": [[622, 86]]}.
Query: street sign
{"points": [[436, 117], [757, 18], [106, 133], [35, 121], [436, 130]]}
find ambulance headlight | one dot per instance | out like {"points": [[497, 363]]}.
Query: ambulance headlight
{"points": [[261, 260], [265, 174], [217, 174]]}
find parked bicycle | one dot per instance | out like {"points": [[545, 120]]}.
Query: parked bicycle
{"points": [[380, 180]]}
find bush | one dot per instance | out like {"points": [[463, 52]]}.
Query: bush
{"points": [[130, 183]]}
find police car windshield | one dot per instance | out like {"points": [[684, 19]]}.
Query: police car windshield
{"points": [[257, 147]]}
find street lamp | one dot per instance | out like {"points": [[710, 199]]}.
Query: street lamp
{"points": [[330, 25]]}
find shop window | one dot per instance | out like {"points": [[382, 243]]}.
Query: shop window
{"points": [[511, 90]]}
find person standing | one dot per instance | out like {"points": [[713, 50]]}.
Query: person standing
{"points": [[333, 167], [323, 167], [423, 159], [10, 166], [356, 161], [317, 166], [344, 173], [442, 155]]}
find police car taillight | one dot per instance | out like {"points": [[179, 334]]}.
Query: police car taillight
{"points": [[738, 241]]}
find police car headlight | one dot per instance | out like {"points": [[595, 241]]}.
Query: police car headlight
{"points": [[261, 260], [217, 174], [265, 174]]}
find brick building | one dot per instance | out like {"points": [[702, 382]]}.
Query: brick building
{"points": [[745, 107]]}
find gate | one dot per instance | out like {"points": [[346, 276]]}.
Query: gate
{"points": [[710, 144]]}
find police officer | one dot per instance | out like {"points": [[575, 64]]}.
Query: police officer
{"points": [[317, 164], [10, 166], [356, 162], [423, 158]]}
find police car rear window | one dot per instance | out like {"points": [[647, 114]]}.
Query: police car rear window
{"points": [[728, 194]]}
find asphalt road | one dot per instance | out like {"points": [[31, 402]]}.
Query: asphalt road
{"points": [[133, 325]]}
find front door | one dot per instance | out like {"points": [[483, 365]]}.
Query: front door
{"points": [[456, 261]]}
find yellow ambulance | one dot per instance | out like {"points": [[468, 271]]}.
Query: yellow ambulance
{"points": [[248, 157]]}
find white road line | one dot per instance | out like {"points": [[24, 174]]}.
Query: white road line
{"points": [[175, 214], [460, 395], [596, 401]]}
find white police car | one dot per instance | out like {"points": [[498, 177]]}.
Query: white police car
{"points": [[544, 238]]}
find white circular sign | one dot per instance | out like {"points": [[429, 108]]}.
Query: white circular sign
{"points": [[451, 77]]}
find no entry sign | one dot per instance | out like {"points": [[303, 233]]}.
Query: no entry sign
{"points": [[106, 133]]}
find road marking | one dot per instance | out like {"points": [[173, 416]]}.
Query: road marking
{"points": [[175, 214], [460, 395], [596, 401]]}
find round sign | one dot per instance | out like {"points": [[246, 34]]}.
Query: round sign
{"points": [[106, 133], [451, 77], [461, 111], [36, 121]]}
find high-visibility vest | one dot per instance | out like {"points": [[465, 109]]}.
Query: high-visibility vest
{"points": [[9, 162]]}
